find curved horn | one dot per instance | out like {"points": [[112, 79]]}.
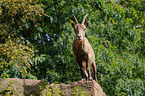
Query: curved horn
{"points": [[84, 19], [75, 19]]}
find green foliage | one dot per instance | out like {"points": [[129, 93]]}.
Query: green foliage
{"points": [[51, 90], [129, 87], [77, 91], [19, 19], [116, 34], [15, 59], [9, 91]]}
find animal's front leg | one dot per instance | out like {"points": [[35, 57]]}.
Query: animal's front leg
{"points": [[85, 73], [82, 70]]}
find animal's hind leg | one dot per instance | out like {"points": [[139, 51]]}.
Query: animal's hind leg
{"points": [[89, 70], [94, 71]]}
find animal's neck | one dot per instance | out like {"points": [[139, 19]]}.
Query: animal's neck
{"points": [[81, 43]]}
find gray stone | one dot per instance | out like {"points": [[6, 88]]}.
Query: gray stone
{"points": [[27, 87]]}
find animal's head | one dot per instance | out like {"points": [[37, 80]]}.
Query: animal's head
{"points": [[80, 28]]}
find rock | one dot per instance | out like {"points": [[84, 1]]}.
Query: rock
{"points": [[91, 88], [21, 87], [27, 87]]}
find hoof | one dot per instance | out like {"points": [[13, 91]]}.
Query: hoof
{"points": [[83, 79], [96, 81]]}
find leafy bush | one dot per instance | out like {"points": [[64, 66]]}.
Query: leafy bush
{"points": [[15, 59], [51, 91]]}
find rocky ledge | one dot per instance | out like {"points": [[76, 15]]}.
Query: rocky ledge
{"points": [[28, 87]]}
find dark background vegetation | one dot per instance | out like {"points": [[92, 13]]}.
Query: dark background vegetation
{"points": [[36, 41]]}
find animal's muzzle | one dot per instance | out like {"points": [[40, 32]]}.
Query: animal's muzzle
{"points": [[79, 37]]}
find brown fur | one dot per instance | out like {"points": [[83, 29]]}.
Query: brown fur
{"points": [[83, 51]]}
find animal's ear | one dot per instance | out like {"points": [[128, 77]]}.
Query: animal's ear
{"points": [[87, 24], [72, 24]]}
